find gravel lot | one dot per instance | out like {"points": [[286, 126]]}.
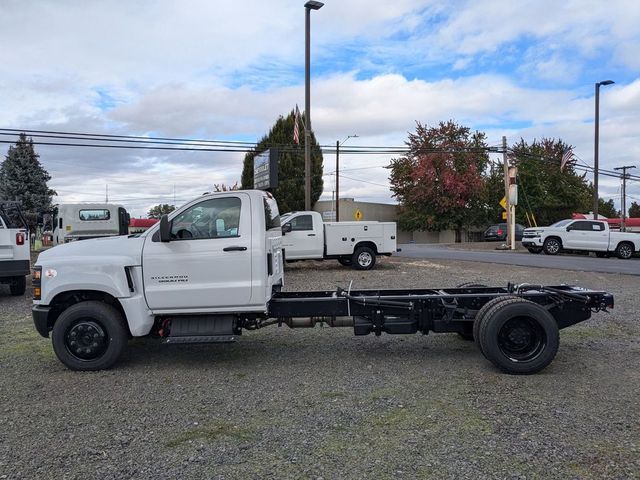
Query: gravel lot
{"points": [[321, 403]]}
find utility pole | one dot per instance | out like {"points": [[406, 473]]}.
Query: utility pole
{"points": [[624, 194], [596, 145], [106, 195], [505, 160], [338, 143]]}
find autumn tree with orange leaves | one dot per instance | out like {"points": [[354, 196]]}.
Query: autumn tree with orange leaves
{"points": [[440, 183]]}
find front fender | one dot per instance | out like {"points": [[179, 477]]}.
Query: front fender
{"points": [[82, 273]]}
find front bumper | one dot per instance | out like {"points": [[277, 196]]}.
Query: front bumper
{"points": [[531, 242], [40, 314]]}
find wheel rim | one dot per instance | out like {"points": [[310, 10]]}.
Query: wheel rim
{"points": [[364, 259], [625, 251], [553, 246], [521, 339], [86, 340]]}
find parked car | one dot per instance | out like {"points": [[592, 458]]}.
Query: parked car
{"points": [[581, 236], [498, 232]]}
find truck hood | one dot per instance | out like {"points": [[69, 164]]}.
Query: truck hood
{"points": [[127, 250]]}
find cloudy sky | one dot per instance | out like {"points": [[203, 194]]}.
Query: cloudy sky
{"points": [[225, 70]]}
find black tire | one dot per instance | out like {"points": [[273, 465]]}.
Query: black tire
{"points": [[345, 261], [363, 258], [89, 336], [552, 246], [624, 250], [483, 312], [18, 286], [535, 250], [602, 254], [519, 337]]}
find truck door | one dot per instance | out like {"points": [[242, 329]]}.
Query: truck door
{"points": [[304, 240], [207, 263], [597, 237]]}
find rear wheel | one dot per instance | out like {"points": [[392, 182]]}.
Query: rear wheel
{"points": [[364, 258], [483, 312], [519, 336], [18, 286], [89, 336], [552, 246], [534, 249], [624, 250], [345, 261]]}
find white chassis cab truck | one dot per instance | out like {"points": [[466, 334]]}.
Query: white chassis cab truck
{"points": [[82, 221], [15, 250], [212, 269], [307, 237], [581, 235]]}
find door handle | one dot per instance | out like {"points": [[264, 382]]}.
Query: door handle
{"points": [[311, 234], [235, 248]]}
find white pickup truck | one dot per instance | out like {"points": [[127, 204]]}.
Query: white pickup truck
{"points": [[581, 235], [307, 237], [213, 269], [15, 251]]}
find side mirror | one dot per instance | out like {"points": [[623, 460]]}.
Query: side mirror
{"points": [[569, 228], [165, 229], [286, 228]]}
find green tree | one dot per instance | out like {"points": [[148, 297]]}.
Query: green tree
{"points": [[634, 210], [159, 210], [545, 190], [440, 183], [608, 209], [290, 190], [24, 179]]}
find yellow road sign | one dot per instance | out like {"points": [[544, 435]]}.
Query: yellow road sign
{"points": [[503, 203], [357, 215], [504, 215]]}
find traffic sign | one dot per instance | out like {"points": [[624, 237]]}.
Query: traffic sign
{"points": [[504, 215], [503, 203], [357, 215]]}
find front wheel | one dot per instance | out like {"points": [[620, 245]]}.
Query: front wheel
{"points": [[519, 336], [552, 246], [535, 249], [89, 336], [624, 250], [364, 258], [18, 286]]}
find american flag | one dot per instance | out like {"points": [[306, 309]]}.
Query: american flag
{"points": [[566, 156], [296, 128]]}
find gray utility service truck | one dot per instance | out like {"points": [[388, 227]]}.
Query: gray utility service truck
{"points": [[15, 250], [213, 269]]}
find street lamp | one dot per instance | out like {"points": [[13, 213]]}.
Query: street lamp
{"points": [[338, 174], [310, 5], [595, 147]]}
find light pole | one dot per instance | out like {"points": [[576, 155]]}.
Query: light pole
{"points": [[310, 5], [338, 143], [595, 147]]}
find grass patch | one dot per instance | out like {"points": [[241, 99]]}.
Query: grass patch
{"points": [[210, 433], [25, 341]]}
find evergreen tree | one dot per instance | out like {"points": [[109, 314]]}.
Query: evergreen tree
{"points": [[608, 209], [160, 210], [634, 210], [550, 193], [24, 179], [290, 190]]}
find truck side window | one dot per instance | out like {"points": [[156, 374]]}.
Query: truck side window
{"points": [[213, 218], [596, 226], [301, 222]]}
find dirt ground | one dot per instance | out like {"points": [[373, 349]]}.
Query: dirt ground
{"points": [[322, 403]]}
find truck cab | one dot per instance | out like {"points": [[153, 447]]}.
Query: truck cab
{"points": [[14, 248], [82, 221]]}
